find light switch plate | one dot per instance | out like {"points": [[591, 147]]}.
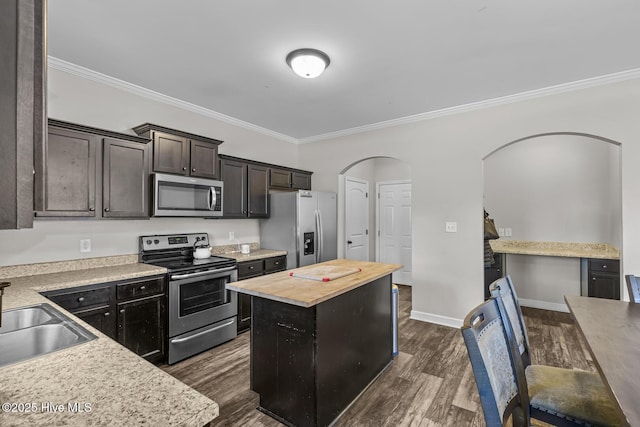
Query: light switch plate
{"points": [[232, 235], [508, 232], [501, 232], [451, 227]]}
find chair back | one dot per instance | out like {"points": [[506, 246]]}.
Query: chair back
{"points": [[496, 366], [633, 286], [503, 287]]}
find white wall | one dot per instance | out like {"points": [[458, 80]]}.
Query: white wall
{"points": [[91, 103], [446, 156], [560, 188]]}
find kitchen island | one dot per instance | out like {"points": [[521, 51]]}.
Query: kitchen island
{"points": [[316, 345]]}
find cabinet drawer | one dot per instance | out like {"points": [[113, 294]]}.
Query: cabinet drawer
{"points": [[86, 298], [250, 269], [271, 265], [139, 289], [604, 265]]}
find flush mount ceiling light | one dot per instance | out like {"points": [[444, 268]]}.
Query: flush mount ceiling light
{"points": [[308, 63]]}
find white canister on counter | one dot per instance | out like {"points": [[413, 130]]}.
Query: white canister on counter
{"points": [[245, 249]]}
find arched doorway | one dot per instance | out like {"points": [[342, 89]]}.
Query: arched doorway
{"points": [[373, 227], [562, 187]]}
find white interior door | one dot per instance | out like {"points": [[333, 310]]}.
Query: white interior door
{"points": [[356, 219], [394, 227]]}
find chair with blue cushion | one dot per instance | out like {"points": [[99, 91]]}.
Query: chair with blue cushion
{"points": [[633, 286], [557, 396], [504, 288]]}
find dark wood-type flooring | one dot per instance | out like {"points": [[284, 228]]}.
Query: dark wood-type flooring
{"points": [[430, 383]]}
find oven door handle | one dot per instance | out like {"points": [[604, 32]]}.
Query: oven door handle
{"points": [[179, 340], [200, 273]]}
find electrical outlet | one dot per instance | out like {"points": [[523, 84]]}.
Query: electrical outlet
{"points": [[508, 232], [501, 232], [85, 245], [451, 227], [232, 235]]}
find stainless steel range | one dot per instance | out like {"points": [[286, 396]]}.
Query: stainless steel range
{"points": [[202, 312]]}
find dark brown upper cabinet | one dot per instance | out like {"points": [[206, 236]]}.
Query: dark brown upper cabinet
{"points": [[23, 114], [289, 179], [246, 189], [258, 191], [88, 172], [182, 153], [235, 195]]}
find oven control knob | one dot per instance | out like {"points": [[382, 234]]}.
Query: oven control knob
{"points": [[148, 242], [156, 241]]}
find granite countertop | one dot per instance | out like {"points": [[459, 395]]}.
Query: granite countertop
{"points": [[254, 254], [307, 293], [113, 385], [557, 249]]}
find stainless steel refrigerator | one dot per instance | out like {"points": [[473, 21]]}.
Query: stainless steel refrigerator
{"points": [[305, 224]]}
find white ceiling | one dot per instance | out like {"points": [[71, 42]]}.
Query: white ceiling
{"points": [[389, 59]]}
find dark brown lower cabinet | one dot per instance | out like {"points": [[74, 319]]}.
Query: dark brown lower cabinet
{"points": [[141, 327], [100, 318], [247, 270], [603, 278], [132, 312]]}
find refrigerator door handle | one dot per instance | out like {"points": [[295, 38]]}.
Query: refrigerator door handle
{"points": [[320, 234], [318, 238]]}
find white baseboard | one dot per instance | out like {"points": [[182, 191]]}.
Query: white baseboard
{"points": [[544, 305], [436, 318]]}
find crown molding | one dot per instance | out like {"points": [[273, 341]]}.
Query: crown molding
{"points": [[89, 74], [523, 96], [68, 67]]}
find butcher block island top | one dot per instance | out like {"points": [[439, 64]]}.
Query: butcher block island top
{"points": [[307, 291]]}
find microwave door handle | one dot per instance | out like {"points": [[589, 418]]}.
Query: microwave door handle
{"points": [[214, 198], [209, 198]]}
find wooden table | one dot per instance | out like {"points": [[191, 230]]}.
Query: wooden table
{"points": [[612, 331]]}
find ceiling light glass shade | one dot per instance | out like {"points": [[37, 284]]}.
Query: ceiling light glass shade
{"points": [[308, 63]]}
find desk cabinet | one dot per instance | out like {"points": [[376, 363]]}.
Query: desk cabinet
{"points": [[603, 278]]}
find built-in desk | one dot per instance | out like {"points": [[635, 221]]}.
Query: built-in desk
{"points": [[599, 262]]}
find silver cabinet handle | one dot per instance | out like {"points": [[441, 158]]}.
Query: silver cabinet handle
{"points": [[179, 340], [143, 287], [193, 170], [80, 299], [184, 168], [106, 314]]}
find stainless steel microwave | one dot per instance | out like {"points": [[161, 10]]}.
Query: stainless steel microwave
{"points": [[185, 196]]}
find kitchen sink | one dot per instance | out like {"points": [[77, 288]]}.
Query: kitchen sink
{"points": [[37, 330]]}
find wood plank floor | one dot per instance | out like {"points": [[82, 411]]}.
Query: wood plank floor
{"points": [[430, 383]]}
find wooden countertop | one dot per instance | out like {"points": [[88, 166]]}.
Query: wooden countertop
{"points": [[557, 249], [307, 293], [120, 387]]}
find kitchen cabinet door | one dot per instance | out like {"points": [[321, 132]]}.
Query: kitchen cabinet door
{"points": [[102, 318], [66, 179], [204, 159], [300, 181], [170, 154], [234, 176], [279, 178], [125, 181], [258, 182], [141, 327]]}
